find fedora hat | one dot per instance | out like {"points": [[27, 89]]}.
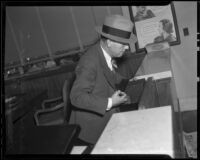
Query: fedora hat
{"points": [[117, 28]]}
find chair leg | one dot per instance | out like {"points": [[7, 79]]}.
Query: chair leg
{"points": [[89, 149], [80, 142], [81, 147]]}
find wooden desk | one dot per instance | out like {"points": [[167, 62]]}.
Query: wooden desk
{"points": [[147, 131], [162, 92], [155, 94], [25, 103], [45, 140]]}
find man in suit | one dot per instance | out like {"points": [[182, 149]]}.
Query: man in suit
{"points": [[94, 94]]}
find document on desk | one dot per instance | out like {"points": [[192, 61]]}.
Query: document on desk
{"points": [[148, 131], [156, 76]]}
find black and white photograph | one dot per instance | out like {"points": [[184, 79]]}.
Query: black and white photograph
{"points": [[154, 24], [99, 81]]}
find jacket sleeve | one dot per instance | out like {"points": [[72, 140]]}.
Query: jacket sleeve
{"points": [[81, 94]]}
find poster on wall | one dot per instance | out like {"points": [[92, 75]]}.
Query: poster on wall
{"points": [[154, 24]]}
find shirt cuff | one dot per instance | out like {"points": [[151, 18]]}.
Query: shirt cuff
{"points": [[109, 104]]}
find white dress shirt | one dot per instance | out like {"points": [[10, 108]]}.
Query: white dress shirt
{"points": [[108, 59]]}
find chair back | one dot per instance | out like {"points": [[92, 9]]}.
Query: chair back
{"points": [[66, 95], [59, 113]]}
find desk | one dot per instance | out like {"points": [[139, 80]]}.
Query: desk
{"points": [[45, 140], [25, 107], [25, 103], [161, 93], [147, 131]]}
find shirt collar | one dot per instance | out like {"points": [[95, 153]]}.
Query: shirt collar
{"points": [[108, 58]]}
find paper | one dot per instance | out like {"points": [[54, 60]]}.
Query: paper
{"points": [[155, 76], [78, 149]]}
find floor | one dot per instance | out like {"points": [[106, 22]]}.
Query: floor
{"points": [[189, 119]]}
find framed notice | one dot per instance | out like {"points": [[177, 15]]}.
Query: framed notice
{"points": [[154, 24]]}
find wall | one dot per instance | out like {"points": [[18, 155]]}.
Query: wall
{"points": [[38, 31], [184, 56], [57, 23]]}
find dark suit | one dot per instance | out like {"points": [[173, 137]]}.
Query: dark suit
{"points": [[93, 85]]}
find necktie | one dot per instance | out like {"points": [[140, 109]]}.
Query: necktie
{"points": [[114, 65]]}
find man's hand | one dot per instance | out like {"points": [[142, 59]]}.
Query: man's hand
{"points": [[119, 97], [128, 100]]}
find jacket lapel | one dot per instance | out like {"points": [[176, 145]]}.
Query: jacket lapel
{"points": [[106, 70]]}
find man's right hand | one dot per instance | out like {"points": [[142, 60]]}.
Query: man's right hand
{"points": [[118, 98]]}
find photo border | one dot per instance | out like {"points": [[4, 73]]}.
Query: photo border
{"points": [[177, 42]]}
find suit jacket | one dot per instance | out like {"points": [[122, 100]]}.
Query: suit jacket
{"points": [[93, 86]]}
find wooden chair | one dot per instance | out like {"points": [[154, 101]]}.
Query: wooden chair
{"points": [[57, 110]]}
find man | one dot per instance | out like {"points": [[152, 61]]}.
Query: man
{"points": [[94, 94]]}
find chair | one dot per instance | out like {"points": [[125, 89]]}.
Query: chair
{"points": [[57, 110]]}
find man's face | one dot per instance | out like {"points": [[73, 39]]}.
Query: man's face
{"points": [[116, 49]]}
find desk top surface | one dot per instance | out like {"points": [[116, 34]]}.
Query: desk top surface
{"points": [[147, 131]]}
